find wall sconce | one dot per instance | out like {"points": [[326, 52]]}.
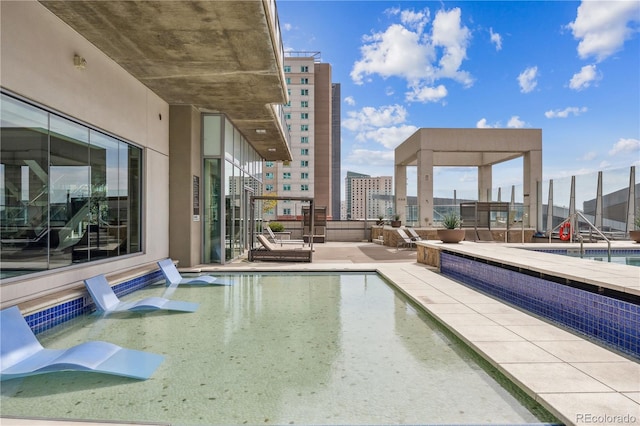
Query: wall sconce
{"points": [[79, 62]]}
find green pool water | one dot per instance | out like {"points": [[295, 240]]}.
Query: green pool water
{"points": [[277, 349]]}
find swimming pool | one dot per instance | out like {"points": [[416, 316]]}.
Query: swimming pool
{"points": [[622, 256], [278, 349]]}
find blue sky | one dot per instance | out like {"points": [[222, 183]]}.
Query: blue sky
{"points": [[569, 68]]}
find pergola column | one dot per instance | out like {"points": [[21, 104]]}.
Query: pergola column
{"points": [[425, 186], [531, 175], [400, 189], [484, 182]]}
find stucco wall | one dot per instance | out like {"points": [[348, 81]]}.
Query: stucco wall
{"points": [[37, 52]]}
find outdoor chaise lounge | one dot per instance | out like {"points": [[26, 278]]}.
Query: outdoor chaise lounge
{"points": [[413, 234], [404, 240], [173, 277], [269, 251], [21, 354], [107, 301], [282, 241]]}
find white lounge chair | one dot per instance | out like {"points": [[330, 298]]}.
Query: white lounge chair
{"points": [[413, 234], [404, 240], [174, 278], [21, 354], [282, 241], [269, 251], [107, 301]]}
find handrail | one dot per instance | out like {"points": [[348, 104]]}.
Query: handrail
{"points": [[572, 220]]}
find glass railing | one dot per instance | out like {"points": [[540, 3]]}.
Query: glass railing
{"points": [[609, 199]]}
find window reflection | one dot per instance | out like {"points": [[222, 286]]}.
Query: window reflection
{"points": [[68, 194]]}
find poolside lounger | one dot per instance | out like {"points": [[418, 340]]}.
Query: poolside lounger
{"points": [[413, 234], [107, 301], [282, 241], [269, 251], [404, 240], [21, 354], [173, 277]]}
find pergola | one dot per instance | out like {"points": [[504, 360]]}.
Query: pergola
{"points": [[481, 148]]}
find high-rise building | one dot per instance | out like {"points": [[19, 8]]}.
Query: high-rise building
{"points": [[336, 137], [371, 197], [347, 186], [312, 126]]}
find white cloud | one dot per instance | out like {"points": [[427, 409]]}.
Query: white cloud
{"points": [[515, 122], [602, 27], [496, 39], [588, 156], [349, 100], [391, 137], [625, 146], [426, 94], [384, 125], [482, 124], [370, 158], [407, 50], [527, 79], [584, 78], [287, 26], [564, 113]]}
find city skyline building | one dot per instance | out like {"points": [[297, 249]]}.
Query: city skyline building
{"points": [[312, 125]]}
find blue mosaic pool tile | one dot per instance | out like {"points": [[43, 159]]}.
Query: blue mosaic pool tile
{"points": [[614, 322], [50, 317]]}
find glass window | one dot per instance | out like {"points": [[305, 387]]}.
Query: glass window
{"points": [[211, 131], [286, 175], [288, 116], [74, 197], [268, 187], [304, 175], [268, 163], [268, 175], [287, 68], [304, 139], [304, 163], [304, 151], [304, 81], [288, 80], [286, 187], [304, 187], [286, 211], [304, 115], [304, 127], [304, 92], [304, 68], [304, 104]]}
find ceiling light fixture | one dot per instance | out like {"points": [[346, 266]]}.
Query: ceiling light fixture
{"points": [[261, 131]]}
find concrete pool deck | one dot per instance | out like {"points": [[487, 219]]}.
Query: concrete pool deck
{"points": [[580, 382]]}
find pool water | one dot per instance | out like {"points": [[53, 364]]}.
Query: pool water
{"points": [[623, 257], [277, 349]]}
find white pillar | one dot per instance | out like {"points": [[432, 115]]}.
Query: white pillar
{"points": [[400, 190], [484, 183], [532, 174], [425, 186]]}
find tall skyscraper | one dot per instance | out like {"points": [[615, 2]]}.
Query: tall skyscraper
{"points": [[312, 124]]}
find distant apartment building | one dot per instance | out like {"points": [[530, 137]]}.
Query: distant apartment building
{"points": [[371, 197], [314, 148]]}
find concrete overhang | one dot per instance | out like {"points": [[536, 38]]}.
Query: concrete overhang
{"points": [[222, 56], [468, 147]]}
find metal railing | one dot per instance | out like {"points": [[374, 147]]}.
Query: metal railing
{"points": [[574, 230]]}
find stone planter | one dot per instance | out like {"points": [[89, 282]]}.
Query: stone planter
{"points": [[396, 223], [451, 235], [635, 235]]}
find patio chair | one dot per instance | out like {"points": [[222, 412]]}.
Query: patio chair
{"points": [[107, 301], [413, 234], [21, 354], [173, 277], [282, 241], [404, 240], [269, 251]]}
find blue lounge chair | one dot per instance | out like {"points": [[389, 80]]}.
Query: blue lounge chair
{"points": [[174, 278], [21, 354], [107, 301]]}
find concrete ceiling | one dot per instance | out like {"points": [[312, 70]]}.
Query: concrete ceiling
{"points": [[219, 56]]}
